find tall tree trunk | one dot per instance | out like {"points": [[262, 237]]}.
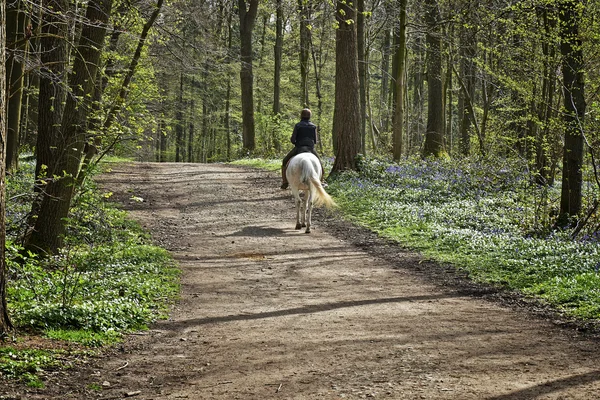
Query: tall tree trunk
{"points": [[226, 117], [418, 90], [574, 104], [278, 49], [317, 57], [163, 140], [545, 107], [346, 123], [261, 57], [191, 125], [400, 83], [303, 13], [15, 71], [5, 323], [248, 10], [434, 136], [52, 93], [385, 79], [179, 152], [48, 233], [362, 75]]}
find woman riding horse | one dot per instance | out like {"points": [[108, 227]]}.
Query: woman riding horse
{"points": [[304, 139]]}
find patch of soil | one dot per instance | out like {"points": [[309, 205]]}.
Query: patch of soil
{"points": [[268, 312]]}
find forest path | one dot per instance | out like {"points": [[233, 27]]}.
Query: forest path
{"points": [[268, 312]]}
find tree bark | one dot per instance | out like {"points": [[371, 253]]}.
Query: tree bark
{"points": [[15, 71], [5, 323], [278, 51], [52, 93], [48, 233], [179, 123], [248, 10], [434, 135], [362, 71], [303, 13], [400, 89], [574, 109], [385, 79], [346, 123], [545, 107]]}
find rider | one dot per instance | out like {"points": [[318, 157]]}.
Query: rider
{"points": [[304, 138]]}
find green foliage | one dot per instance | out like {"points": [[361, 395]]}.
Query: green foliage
{"points": [[110, 287], [480, 216], [25, 365], [107, 279], [85, 337]]}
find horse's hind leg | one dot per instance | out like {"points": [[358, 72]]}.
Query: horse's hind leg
{"points": [[303, 209], [309, 206], [298, 204]]}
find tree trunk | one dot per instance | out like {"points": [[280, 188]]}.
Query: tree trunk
{"points": [[574, 104], [385, 79], [418, 101], [399, 73], [50, 226], [5, 323], [179, 123], [362, 74], [52, 93], [303, 12], [191, 126], [227, 117], [248, 14], [163, 140], [434, 135], [15, 71], [467, 77], [545, 111], [346, 123], [278, 50], [317, 57]]}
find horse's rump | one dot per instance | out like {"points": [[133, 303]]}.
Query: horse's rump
{"points": [[304, 173]]}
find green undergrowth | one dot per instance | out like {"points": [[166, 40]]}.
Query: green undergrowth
{"points": [[27, 364], [480, 217], [108, 279]]}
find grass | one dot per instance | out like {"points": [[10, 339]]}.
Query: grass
{"points": [[25, 365], [108, 280], [486, 218]]}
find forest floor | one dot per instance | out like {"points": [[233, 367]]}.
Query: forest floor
{"points": [[268, 312]]}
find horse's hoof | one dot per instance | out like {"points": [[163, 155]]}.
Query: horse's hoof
{"points": [[304, 225], [307, 231], [298, 226]]}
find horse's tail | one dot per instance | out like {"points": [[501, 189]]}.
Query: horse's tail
{"points": [[321, 197]]}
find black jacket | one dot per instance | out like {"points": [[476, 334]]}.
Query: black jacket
{"points": [[305, 134]]}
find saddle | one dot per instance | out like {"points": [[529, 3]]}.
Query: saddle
{"points": [[304, 149]]}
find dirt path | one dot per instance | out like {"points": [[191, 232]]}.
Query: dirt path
{"points": [[267, 312]]}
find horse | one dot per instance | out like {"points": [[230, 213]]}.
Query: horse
{"points": [[303, 174]]}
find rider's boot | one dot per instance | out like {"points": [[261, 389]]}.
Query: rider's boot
{"points": [[284, 184]]}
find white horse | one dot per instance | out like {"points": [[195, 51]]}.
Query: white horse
{"points": [[304, 174]]}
